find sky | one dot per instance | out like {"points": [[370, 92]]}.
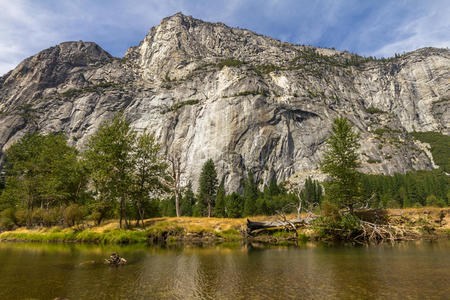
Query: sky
{"points": [[368, 27]]}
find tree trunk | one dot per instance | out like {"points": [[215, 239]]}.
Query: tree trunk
{"points": [[252, 226], [209, 209], [121, 212], [177, 203]]}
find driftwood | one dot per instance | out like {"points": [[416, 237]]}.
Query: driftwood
{"points": [[371, 232], [252, 225]]}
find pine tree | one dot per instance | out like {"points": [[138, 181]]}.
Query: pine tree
{"points": [[219, 210], [251, 194], [188, 201], [208, 186], [233, 205], [340, 162]]}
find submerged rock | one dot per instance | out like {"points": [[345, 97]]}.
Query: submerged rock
{"points": [[115, 260]]}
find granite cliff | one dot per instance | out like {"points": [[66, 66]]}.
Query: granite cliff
{"points": [[245, 100]]}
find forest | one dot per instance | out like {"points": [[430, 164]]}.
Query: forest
{"points": [[125, 175]]}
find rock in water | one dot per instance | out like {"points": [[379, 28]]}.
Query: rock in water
{"points": [[115, 260]]}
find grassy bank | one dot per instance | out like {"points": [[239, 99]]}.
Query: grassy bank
{"points": [[156, 230], [423, 221]]}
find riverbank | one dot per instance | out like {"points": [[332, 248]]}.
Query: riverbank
{"points": [[421, 223]]}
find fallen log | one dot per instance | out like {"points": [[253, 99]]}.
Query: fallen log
{"points": [[253, 225]]}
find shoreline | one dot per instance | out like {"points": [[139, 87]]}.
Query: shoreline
{"points": [[422, 222]]}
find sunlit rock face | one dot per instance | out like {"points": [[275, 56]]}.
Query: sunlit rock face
{"points": [[247, 101]]}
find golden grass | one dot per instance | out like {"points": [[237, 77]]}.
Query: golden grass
{"points": [[228, 228]]}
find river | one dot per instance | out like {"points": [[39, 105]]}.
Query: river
{"points": [[413, 270]]}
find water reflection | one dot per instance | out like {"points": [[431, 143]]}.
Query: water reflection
{"points": [[46, 271]]}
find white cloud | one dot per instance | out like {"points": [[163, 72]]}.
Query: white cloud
{"points": [[28, 26], [430, 30], [23, 30]]}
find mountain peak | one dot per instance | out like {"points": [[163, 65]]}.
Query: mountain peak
{"points": [[180, 40]]}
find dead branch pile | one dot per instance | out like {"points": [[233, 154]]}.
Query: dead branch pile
{"points": [[371, 232]]}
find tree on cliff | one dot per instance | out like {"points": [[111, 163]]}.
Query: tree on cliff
{"points": [[340, 162], [208, 185]]}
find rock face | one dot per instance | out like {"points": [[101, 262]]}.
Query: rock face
{"points": [[245, 100]]}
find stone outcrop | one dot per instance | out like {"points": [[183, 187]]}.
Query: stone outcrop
{"points": [[245, 100]]}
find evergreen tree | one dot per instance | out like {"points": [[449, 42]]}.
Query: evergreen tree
{"points": [[340, 162], [251, 194], [312, 191], [233, 205], [188, 201], [219, 210], [208, 186]]}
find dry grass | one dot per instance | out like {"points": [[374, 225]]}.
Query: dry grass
{"points": [[228, 228]]}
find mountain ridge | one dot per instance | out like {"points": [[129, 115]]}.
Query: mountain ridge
{"points": [[243, 99]]}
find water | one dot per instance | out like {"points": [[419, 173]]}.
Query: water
{"points": [[405, 271]]}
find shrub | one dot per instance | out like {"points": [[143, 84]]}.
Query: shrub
{"points": [[53, 216], [432, 200], [343, 228], [73, 214], [8, 218], [377, 216], [330, 210], [22, 216], [230, 62], [37, 216], [374, 110]]}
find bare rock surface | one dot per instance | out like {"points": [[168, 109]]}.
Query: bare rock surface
{"points": [[245, 100]]}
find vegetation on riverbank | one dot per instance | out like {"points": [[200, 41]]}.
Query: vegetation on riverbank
{"points": [[420, 223]]}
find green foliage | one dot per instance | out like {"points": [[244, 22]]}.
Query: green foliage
{"points": [[126, 167], [312, 191], [73, 214], [234, 205], [43, 171], [265, 69], [340, 162], [253, 93], [8, 218], [405, 190], [251, 194], [208, 186], [109, 158], [90, 89], [373, 161], [167, 207], [440, 145], [432, 200], [374, 110], [148, 175], [179, 105], [187, 201], [219, 210], [230, 62], [337, 227]]}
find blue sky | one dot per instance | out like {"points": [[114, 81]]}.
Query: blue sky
{"points": [[367, 27]]}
